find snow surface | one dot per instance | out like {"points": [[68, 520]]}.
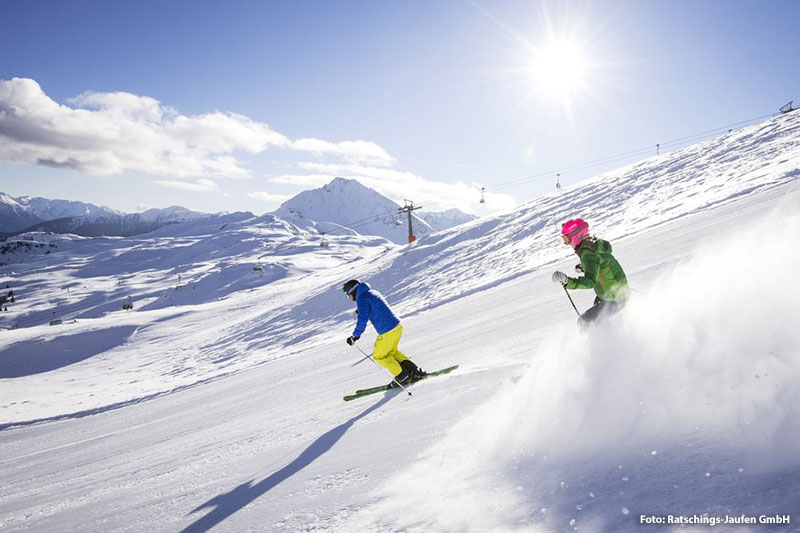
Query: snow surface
{"points": [[218, 405]]}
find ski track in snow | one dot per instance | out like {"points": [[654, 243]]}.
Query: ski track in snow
{"points": [[218, 405]]}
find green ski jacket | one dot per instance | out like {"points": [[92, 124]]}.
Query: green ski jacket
{"points": [[601, 271]]}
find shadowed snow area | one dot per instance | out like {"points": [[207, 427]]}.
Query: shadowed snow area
{"points": [[45, 354], [216, 404]]}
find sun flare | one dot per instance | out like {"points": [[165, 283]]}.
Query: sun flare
{"points": [[559, 69]]}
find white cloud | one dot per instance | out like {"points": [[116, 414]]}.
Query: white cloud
{"points": [[357, 151], [302, 180], [117, 132], [269, 197], [201, 185], [112, 133]]}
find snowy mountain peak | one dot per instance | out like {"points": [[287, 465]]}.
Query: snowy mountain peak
{"points": [[14, 216], [172, 213], [47, 209], [343, 184], [446, 219], [346, 205], [9, 201]]}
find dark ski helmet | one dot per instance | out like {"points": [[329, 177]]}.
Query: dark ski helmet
{"points": [[350, 287]]}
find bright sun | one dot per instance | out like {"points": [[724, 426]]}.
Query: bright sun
{"points": [[559, 70]]}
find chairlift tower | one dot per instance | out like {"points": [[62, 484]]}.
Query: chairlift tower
{"points": [[408, 208]]}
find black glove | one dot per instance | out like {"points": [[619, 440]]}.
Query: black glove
{"points": [[352, 340], [579, 268]]}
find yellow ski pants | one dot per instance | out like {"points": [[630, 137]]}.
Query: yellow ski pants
{"points": [[385, 351]]}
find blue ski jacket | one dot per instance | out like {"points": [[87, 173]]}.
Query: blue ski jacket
{"points": [[373, 307]]}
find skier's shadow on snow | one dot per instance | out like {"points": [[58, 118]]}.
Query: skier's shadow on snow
{"points": [[229, 503]]}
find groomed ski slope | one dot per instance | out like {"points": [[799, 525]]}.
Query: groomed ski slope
{"points": [[685, 403]]}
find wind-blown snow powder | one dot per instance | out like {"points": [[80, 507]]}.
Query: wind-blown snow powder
{"points": [[704, 363], [709, 350]]}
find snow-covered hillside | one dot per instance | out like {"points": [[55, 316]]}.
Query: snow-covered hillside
{"points": [[346, 206], [217, 405]]}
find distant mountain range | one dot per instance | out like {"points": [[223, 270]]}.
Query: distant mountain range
{"points": [[445, 219], [25, 214], [342, 206]]}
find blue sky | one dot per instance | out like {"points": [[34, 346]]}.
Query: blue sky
{"points": [[239, 105]]}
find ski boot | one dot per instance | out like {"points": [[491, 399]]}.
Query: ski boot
{"points": [[403, 378], [415, 372]]}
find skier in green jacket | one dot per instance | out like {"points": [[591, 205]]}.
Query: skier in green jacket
{"points": [[600, 269]]}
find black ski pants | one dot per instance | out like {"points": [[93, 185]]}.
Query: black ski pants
{"points": [[600, 308]]}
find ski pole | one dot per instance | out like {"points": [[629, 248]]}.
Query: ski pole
{"points": [[374, 361], [570, 301]]}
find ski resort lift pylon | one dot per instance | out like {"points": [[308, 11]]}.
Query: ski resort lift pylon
{"points": [[787, 108], [408, 208]]}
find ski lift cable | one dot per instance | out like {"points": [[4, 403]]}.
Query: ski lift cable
{"points": [[612, 158], [358, 223]]}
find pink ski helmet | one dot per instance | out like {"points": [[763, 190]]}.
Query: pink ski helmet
{"points": [[574, 231]]}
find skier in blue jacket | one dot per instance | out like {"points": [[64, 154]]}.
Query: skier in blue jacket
{"points": [[372, 307]]}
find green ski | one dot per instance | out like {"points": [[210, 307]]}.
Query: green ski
{"points": [[374, 390]]}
